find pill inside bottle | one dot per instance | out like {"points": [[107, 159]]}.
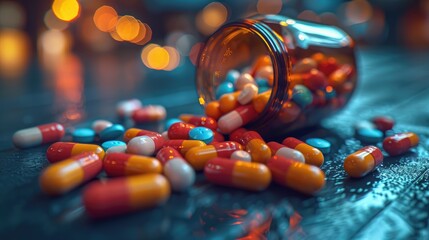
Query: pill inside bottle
{"points": [[301, 73]]}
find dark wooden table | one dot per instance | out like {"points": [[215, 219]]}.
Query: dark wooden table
{"points": [[390, 203]]}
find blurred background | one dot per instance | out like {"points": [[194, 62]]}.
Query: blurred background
{"points": [[66, 52]]}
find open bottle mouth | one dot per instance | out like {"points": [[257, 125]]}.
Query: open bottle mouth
{"points": [[236, 46]]}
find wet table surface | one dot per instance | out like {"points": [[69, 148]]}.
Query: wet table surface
{"points": [[391, 202]]}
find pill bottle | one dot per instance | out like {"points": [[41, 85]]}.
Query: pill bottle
{"points": [[313, 69]]}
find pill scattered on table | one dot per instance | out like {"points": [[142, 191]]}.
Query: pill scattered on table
{"points": [[31, 137], [83, 135], [400, 143], [363, 161], [319, 143]]}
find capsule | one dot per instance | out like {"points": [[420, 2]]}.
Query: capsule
{"points": [[311, 154], [261, 100], [146, 145], [242, 80], [180, 130], [229, 102], [63, 150], [237, 118], [400, 143], [304, 65], [35, 136], [207, 122], [363, 161], [299, 176], [257, 147], [136, 132], [218, 137], [122, 164], [281, 150], [63, 176], [183, 146], [249, 92], [127, 107], [212, 110], [99, 125], [239, 174], [122, 195], [241, 155], [178, 172], [151, 113], [383, 123], [198, 156]]}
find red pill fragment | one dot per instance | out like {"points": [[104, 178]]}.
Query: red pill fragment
{"points": [[400, 143], [122, 164], [180, 130], [239, 174], [63, 150], [299, 176], [383, 123], [200, 121], [363, 161], [122, 195], [237, 118], [31, 137]]}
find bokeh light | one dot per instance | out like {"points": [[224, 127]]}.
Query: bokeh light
{"points": [[145, 53], [269, 6], [11, 15], [105, 18], [141, 34], [147, 35], [14, 52], [309, 15], [116, 36], [52, 22], [66, 10], [158, 58], [174, 58], [211, 17], [54, 42], [358, 11], [127, 27], [195, 50]]}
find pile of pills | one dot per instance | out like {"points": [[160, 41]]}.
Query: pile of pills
{"points": [[144, 167]]}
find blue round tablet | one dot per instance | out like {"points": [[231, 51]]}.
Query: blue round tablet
{"points": [[83, 135], [224, 88], [302, 96], [319, 143], [112, 132], [170, 122], [232, 76], [201, 133], [112, 143], [369, 135]]}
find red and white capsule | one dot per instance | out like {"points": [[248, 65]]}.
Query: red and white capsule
{"points": [[35, 136], [278, 149], [178, 172], [127, 107], [149, 113], [200, 121], [237, 118], [145, 145], [400, 143]]}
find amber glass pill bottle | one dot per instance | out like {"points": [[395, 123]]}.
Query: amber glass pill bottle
{"points": [[313, 69]]}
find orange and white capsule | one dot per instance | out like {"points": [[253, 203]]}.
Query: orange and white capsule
{"points": [[239, 174], [201, 121], [311, 154], [35, 136], [123, 195], [256, 146], [183, 146], [229, 102], [212, 110], [363, 161], [62, 150], [136, 132], [63, 176], [198, 156], [178, 172], [237, 118], [122, 164], [261, 100], [246, 95], [149, 113], [299, 176], [400, 143], [278, 149]]}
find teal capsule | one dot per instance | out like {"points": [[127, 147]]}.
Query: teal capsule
{"points": [[302, 96]]}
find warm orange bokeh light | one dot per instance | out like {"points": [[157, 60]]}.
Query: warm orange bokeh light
{"points": [[105, 18], [269, 6], [174, 58], [147, 36], [66, 10], [145, 53], [211, 17], [52, 22], [127, 27], [115, 36], [141, 34], [358, 11], [14, 52], [158, 58]]}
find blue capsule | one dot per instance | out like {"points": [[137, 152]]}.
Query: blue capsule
{"points": [[302, 96], [262, 83], [232, 76], [112, 143], [369, 135], [171, 121], [83, 135], [201, 133], [224, 88], [112, 132], [319, 143]]}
